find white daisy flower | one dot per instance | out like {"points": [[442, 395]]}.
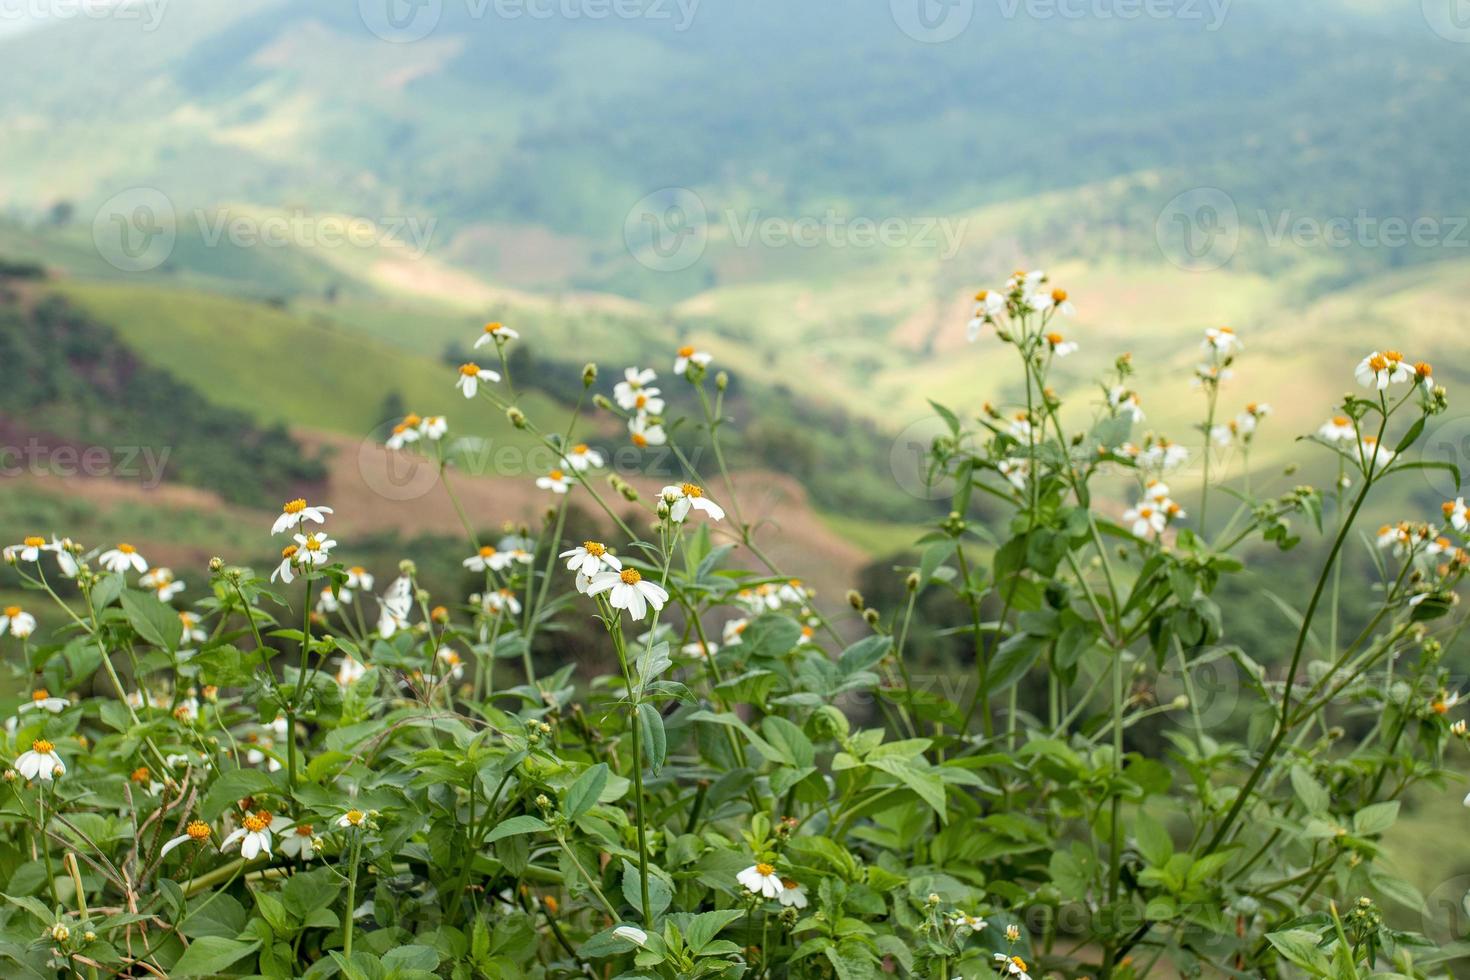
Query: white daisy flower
{"points": [[625, 392], [352, 818], [644, 433], [197, 832], [732, 630], [286, 570], [1059, 345], [17, 622], [1125, 402], [970, 923], [296, 511], [1339, 428], [589, 557], [434, 427], [348, 672], [1378, 371], [793, 895], [1157, 491], [315, 549], [1397, 537], [1016, 471], [1221, 341], [761, 879], [988, 305], [1147, 518], [1163, 454], [701, 650], [161, 581], [471, 376], [328, 603], [298, 842], [1013, 966], [66, 559], [1424, 376], [405, 432], [628, 590], [1370, 453], [488, 557], [497, 333], [556, 481], [122, 558], [41, 700], [688, 355], [503, 600], [41, 762], [583, 457], [453, 663], [359, 578], [686, 496], [254, 836], [1454, 511], [1054, 300], [28, 550]]}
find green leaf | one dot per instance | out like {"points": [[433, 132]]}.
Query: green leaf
{"points": [[1313, 797], [1375, 819], [523, 824], [231, 786], [211, 955], [583, 794], [769, 636], [796, 749], [1300, 947], [154, 621], [864, 654], [1154, 842], [659, 892], [655, 742], [306, 891]]}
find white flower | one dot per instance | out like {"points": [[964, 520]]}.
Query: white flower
{"points": [[1013, 965], [66, 561], [41, 700], [286, 570], [28, 550], [348, 671], [1125, 402], [1162, 454], [161, 581], [972, 923], [1339, 428], [497, 332], [1016, 471], [626, 392], [488, 557], [556, 481], [1221, 341], [687, 356], [1454, 511], [1020, 427], [434, 427], [17, 622], [297, 843], [1151, 517], [686, 496], [296, 511], [503, 600], [793, 895], [1054, 300], [632, 934], [583, 457], [1060, 346], [1378, 371], [359, 578], [471, 375], [732, 630], [254, 836], [1157, 491], [197, 831], [314, 549], [1370, 453], [41, 762], [701, 650], [761, 879], [628, 590], [404, 432], [329, 603], [121, 558], [588, 558], [644, 433], [352, 818], [453, 663]]}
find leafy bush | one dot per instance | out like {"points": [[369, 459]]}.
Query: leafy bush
{"points": [[306, 774]]}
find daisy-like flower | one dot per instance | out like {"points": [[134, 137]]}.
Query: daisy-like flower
{"points": [[688, 496], [556, 481], [1012, 965], [17, 622], [761, 879], [1221, 341], [503, 601], [286, 570], [453, 663], [1163, 454], [1059, 345], [628, 590], [315, 549], [701, 650], [793, 894], [161, 580], [122, 558], [295, 512], [1148, 517], [1424, 376], [988, 305], [1455, 512], [732, 631], [1339, 428], [328, 603], [793, 591], [254, 836], [589, 558], [298, 842], [471, 376], [196, 832], [359, 578], [1020, 427], [964, 922], [625, 392], [1395, 536], [434, 427], [488, 557], [1373, 454], [41, 762], [28, 550], [1378, 371], [686, 356], [1015, 471], [1056, 300], [348, 672], [404, 432], [643, 433], [41, 700], [1125, 402], [632, 934], [497, 333], [583, 457], [352, 818], [1446, 702]]}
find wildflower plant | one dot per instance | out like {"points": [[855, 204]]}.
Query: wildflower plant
{"points": [[320, 769]]}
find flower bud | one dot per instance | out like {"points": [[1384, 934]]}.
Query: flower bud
{"points": [[855, 599], [408, 568], [516, 416], [216, 563], [602, 402], [722, 380], [589, 375], [871, 617], [911, 583]]}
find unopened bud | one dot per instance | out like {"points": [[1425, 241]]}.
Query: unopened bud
{"points": [[216, 563], [912, 582], [602, 402], [855, 599], [871, 617], [516, 416], [722, 380], [408, 568], [589, 375]]}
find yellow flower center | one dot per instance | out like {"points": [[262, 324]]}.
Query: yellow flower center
{"points": [[594, 548], [469, 370], [686, 351], [764, 869], [140, 775], [34, 542], [42, 746], [630, 576], [40, 693], [313, 543], [486, 551], [980, 297], [12, 611], [358, 570], [641, 401], [197, 829], [640, 440], [256, 822], [411, 419], [1059, 295], [355, 817], [289, 551], [1018, 963], [557, 475], [492, 328], [294, 506], [126, 549], [1393, 356], [303, 830], [1341, 420], [690, 490], [789, 883], [580, 449], [1053, 339], [1423, 370], [1377, 362]]}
